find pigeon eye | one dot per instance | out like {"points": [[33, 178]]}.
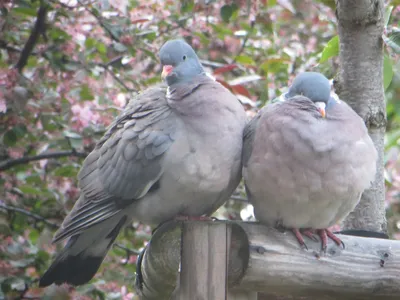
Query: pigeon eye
{"points": [[184, 57]]}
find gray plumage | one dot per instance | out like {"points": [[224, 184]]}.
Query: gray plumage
{"points": [[302, 170], [175, 150]]}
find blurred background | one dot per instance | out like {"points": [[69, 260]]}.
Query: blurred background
{"points": [[67, 69]]}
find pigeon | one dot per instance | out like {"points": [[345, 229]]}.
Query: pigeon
{"points": [[174, 151], [307, 158]]}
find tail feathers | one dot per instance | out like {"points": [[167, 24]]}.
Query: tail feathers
{"points": [[82, 256], [73, 269]]}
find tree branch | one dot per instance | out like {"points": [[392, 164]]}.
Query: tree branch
{"points": [[244, 43], [36, 31], [128, 252], [101, 23], [116, 78], [5, 165], [29, 214], [359, 83]]}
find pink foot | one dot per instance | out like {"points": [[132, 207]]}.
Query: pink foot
{"points": [[324, 234], [299, 237], [310, 233]]}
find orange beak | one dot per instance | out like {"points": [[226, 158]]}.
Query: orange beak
{"points": [[321, 108], [167, 69], [322, 112]]}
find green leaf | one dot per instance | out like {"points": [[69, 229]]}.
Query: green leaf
{"points": [[187, 6], [245, 60], [329, 3], [388, 13], [393, 41], [102, 48], [90, 42], [331, 49], [72, 135], [33, 179], [86, 93], [59, 35], [387, 72], [34, 235], [74, 139], [226, 12], [10, 138], [274, 65], [392, 139], [119, 47], [20, 130], [25, 11], [204, 40], [48, 122], [30, 190], [66, 171], [221, 30]]}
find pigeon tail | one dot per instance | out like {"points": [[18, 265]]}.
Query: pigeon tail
{"points": [[82, 256]]}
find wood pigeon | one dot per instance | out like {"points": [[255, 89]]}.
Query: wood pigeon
{"points": [[174, 151], [307, 159]]}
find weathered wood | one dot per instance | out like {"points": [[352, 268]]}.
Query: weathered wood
{"points": [[159, 264], [263, 259], [242, 295], [204, 261], [366, 269]]}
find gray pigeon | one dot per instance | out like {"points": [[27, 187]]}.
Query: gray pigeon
{"points": [[174, 151], [307, 159]]}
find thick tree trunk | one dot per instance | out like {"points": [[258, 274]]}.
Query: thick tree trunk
{"points": [[360, 83]]}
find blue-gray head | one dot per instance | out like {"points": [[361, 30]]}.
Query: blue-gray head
{"points": [[180, 62], [314, 86]]}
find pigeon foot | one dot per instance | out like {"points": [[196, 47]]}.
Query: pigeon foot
{"points": [[324, 234]]}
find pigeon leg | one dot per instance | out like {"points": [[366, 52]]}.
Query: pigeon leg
{"points": [[334, 238], [310, 233], [299, 237], [324, 239], [324, 234]]}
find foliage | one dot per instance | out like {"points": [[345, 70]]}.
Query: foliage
{"points": [[67, 68]]}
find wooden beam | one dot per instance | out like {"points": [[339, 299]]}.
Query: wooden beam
{"points": [[204, 261], [263, 259]]}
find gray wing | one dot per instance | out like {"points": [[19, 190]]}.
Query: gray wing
{"points": [[125, 163]]}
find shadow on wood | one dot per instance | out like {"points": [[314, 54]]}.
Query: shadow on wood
{"points": [[263, 259]]}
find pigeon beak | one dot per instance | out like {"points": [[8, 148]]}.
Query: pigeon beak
{"points": [[321, 108], [167, 69]]}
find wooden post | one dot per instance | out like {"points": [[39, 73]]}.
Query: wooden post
{"points": [[204, 261]]}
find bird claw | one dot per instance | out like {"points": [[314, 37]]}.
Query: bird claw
{"points": [[310, 234], [334, 238], [299, 238], [324, 234]]}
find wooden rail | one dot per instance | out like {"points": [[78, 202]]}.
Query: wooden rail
{"points": [[237, 260]]}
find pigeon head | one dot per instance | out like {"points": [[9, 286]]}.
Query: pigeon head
{"points": [[180, 62], [314, 86]]}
